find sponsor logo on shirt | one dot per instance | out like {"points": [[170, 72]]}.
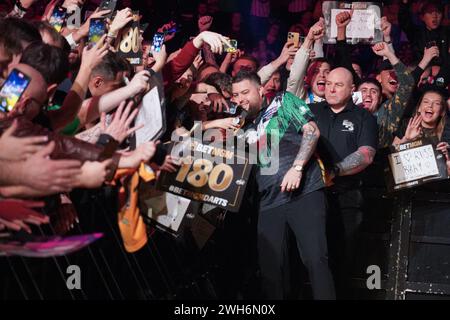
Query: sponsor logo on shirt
{"points": [[349, 126]]}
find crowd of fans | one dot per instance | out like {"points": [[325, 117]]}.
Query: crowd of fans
{"points": [[81, 103]]}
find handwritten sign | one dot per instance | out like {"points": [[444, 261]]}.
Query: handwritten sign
{"points": [[365, 26], [362, 24], [415, 163]]}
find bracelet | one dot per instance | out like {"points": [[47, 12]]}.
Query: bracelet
{"points": [[112, 34], [388, 42]]}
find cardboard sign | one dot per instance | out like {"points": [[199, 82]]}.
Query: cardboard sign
{"points": [[365, 26], [415, 163], [129, 44], [211, 175]]}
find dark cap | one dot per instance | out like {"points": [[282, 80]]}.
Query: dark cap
{"points": [[384, 65]]}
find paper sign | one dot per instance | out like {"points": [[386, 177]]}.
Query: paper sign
{"points": [[415, 163], [365, 26], [362, 24], [151, 115]]}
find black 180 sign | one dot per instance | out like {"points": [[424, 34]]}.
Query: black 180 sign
{"points": [[201, 178], [128, 45]]}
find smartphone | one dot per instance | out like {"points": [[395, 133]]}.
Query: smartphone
{"points": [[13, 88], [97, 28], [294, 37], [232, 48], [357, 97], [232, 108], [108, 5], [158, 41], [58, 18]]}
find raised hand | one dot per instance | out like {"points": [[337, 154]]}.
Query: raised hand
{"points": [[289, 50], [17, 149], [381, 49], [414, 129], [215, 40], [139, 83], [204, 23], [343, 18], [121, 19], [93, 56], [317, 31], [164, 28], [119, 127]]}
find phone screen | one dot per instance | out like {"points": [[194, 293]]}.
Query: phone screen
{"points": [[97, 28], [57, 19], [158, 41], [13, 88], [233, 47]]}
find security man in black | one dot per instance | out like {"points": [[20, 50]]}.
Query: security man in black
{"points": [[347, 146]]}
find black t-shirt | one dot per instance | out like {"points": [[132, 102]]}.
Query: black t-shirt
{"points": [[343, 133], [289, 146]]}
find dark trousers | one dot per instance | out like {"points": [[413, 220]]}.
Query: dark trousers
{"points": [[343, 223], [307, 219]]}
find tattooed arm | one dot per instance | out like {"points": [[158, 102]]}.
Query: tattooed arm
{"points": [[292, 178], [311, 135], [356, 162]]}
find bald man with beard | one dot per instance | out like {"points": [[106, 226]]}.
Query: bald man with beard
{"points": [[347, 146]]}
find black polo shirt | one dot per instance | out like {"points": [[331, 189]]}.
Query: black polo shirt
{"points": [[343, 133]]}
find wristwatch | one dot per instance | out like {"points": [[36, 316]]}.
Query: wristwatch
{"points": [[298, 168]]}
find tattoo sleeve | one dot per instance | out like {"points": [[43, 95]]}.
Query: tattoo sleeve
{"points": [[91, 135], [308, 144], [357, 161]]}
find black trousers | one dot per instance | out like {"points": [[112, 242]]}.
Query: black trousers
{"points": [[344, 219], [307, 219]]}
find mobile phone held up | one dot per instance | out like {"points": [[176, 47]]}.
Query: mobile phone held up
{"points": [[58, 18], [294, 37], [97, 28], [12, 89], [108, 5], [158, 41], [232, 48]]}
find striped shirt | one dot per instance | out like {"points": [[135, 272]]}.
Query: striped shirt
{"points": [[260, 8], [298, 5]]}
